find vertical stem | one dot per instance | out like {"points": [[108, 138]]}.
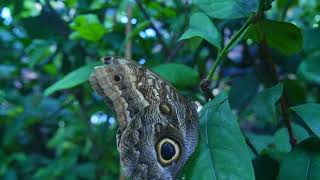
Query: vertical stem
{"points": [[128, 52]]}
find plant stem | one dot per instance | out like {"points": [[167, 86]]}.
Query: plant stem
{"points": [[224, 51]]}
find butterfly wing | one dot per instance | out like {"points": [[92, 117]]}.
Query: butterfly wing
{"points": [[149, 111]]}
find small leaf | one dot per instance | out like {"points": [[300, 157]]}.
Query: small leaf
{"points": [[72, 79], [309, 69], [282, 140], [263, 105], [227, 9], [310, 114], [88, 27], [179, 75], [200, 25], [223, 151], [303, 163], [283, 36]]}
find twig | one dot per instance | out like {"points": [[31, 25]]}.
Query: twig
{"points": [[174, 52], [285, 9], [128, 52], [222, 54], [153, 26], [283, 101]]}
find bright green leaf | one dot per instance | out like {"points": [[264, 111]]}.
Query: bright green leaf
{"points": [[206, 29], [310, 114], [72, 79], [283, 36], [179, 75], [223, 151], [303, 163], [263, 105], [227, 9], [89, 27], [309, 69]]}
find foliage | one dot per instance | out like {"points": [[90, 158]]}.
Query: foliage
{"points": [[261, 57]]}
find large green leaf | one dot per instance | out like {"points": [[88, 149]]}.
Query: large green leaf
{"points": [[263, 105], [310, 114], [206, 29], [179, 75], [88, 27], [227, 9], [283, 36], [309, 69], [223, 151], [303, 163], [72, 79]]}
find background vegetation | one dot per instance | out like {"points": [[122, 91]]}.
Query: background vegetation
{"points": [[264, 56]]}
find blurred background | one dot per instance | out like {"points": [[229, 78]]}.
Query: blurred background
{"points": [[63, 130]]}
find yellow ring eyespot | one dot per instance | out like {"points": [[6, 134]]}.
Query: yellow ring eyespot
{"points": [[167, 151]]}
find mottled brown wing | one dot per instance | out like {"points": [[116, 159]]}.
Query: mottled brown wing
{"points": [[150, 112], [117, 82]]}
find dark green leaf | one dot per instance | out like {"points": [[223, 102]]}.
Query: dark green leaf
{"points": [[88, 27], [223, 151], [265, 168], [72, 79], [283, 36], [303, 163], [179, 75], [242, 91], [309, 69], [227, 9], [310, 114], [206, 29], [263, 105], [311, 42]]}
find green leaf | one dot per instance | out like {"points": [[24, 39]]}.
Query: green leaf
{"points": [[265, 168], [309, 69], [311, 44], [282, 140], [88, 27], [246, 86], [39, 50], [310, 114], [227, 9], [283, 36], [206, 29], [72, 79], [223, 151], [303, 163], [263, 105], [179, 75]]}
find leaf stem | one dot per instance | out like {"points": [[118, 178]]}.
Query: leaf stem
{"points": [[224, 51]]}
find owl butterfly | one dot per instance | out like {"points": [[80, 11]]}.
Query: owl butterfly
{"points": [[158, 128]]}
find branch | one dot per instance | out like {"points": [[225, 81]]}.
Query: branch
{"points": [[224, 51], [283, 102], [153, 26]]}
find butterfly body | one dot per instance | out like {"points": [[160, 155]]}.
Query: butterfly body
{"points": [[158, 128]]}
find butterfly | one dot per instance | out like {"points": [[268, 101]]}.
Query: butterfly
{"points": [[158, 128]]}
